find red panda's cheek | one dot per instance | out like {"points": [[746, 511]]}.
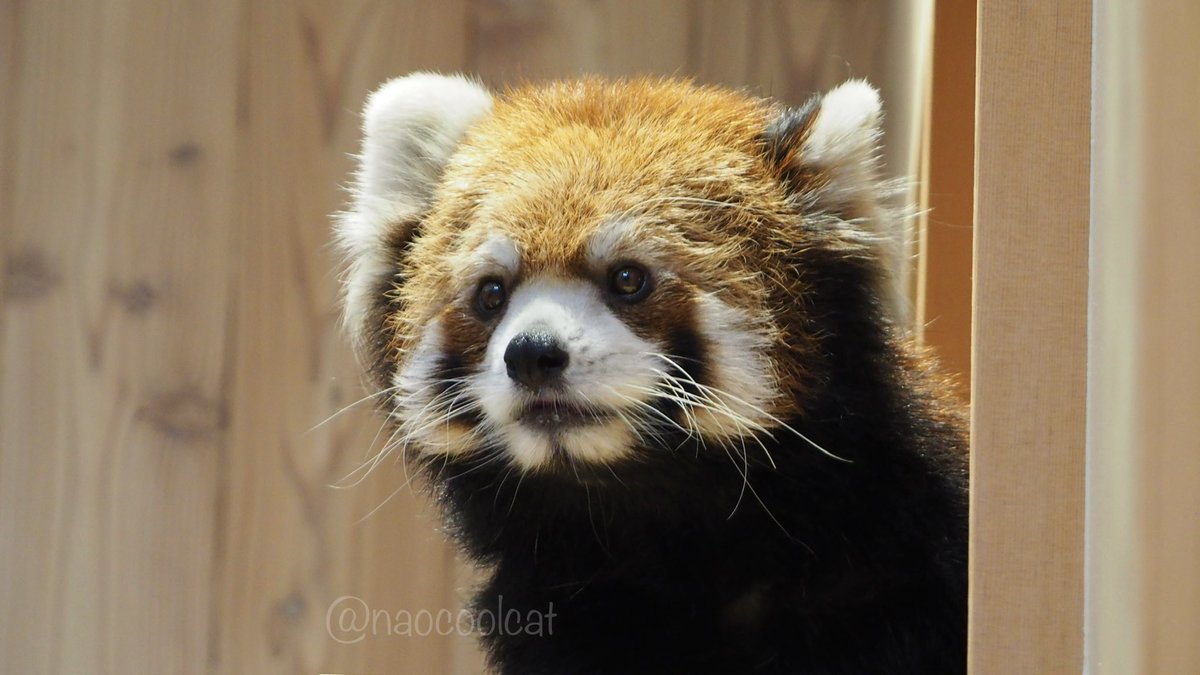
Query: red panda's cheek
{"points": [[742, 387], [422, 385]]}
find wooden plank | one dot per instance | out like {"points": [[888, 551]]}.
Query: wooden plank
{"points": [[1030, 322], [168, 337], [531, 42], [1144, 513], [115, 333]]}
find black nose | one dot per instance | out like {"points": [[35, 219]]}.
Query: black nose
{"points": [[535, 359]]}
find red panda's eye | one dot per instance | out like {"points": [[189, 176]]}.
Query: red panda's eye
{"points": [[629, 282], [491, 296]]}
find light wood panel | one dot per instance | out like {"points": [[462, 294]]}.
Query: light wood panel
{"points": [[168, 334], [113, 432], [1144, 368], [1030, 322], [788, 50]]}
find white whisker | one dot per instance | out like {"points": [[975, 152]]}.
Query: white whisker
{"points": [[360, 401], [755, 408]]}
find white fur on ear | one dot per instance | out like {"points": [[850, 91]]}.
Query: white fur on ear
{"points": [[842, 148], [843, 145], [411, 127]]}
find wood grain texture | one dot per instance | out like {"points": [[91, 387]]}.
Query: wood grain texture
{"points": [[1144, 368], [168, 333], [1030, 322], [114, 429], [788, 50]]}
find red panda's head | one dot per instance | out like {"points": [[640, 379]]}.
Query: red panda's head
{"points": [[589, 271]]}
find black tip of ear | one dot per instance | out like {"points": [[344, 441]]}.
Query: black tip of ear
{"points": [[784, 134]]}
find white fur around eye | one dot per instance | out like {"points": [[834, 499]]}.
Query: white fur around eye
{"points": [[608, 244], [497, 255]]}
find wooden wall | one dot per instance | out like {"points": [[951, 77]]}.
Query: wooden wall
{"points": [[168, 333]]}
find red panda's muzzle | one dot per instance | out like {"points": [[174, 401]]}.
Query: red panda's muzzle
{"points": [[536, 359]]}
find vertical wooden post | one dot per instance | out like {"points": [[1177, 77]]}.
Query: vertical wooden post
{"points": [[1029, 352]]}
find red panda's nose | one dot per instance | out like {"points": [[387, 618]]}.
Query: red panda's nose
{"points": [[535, 358]]}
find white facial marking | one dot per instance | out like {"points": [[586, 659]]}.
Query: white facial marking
{"points": [[610, 368], [610, 243], [496, 255], [599, 443], [742, 389], [424, 415], [527, 447]]}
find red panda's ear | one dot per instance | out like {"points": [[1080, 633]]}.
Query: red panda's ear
{"points": [[411, 127], [827, 153], [827, 150]]}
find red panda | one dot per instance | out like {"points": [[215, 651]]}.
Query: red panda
{"points": [[638, 336]]}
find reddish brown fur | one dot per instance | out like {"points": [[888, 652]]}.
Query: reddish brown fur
{"points": [[552, 165]]}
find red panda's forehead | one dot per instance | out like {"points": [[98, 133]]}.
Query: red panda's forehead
{"points": [[551, 169]]}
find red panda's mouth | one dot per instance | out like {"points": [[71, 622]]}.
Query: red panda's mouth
{"points": [[557, 414]]}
